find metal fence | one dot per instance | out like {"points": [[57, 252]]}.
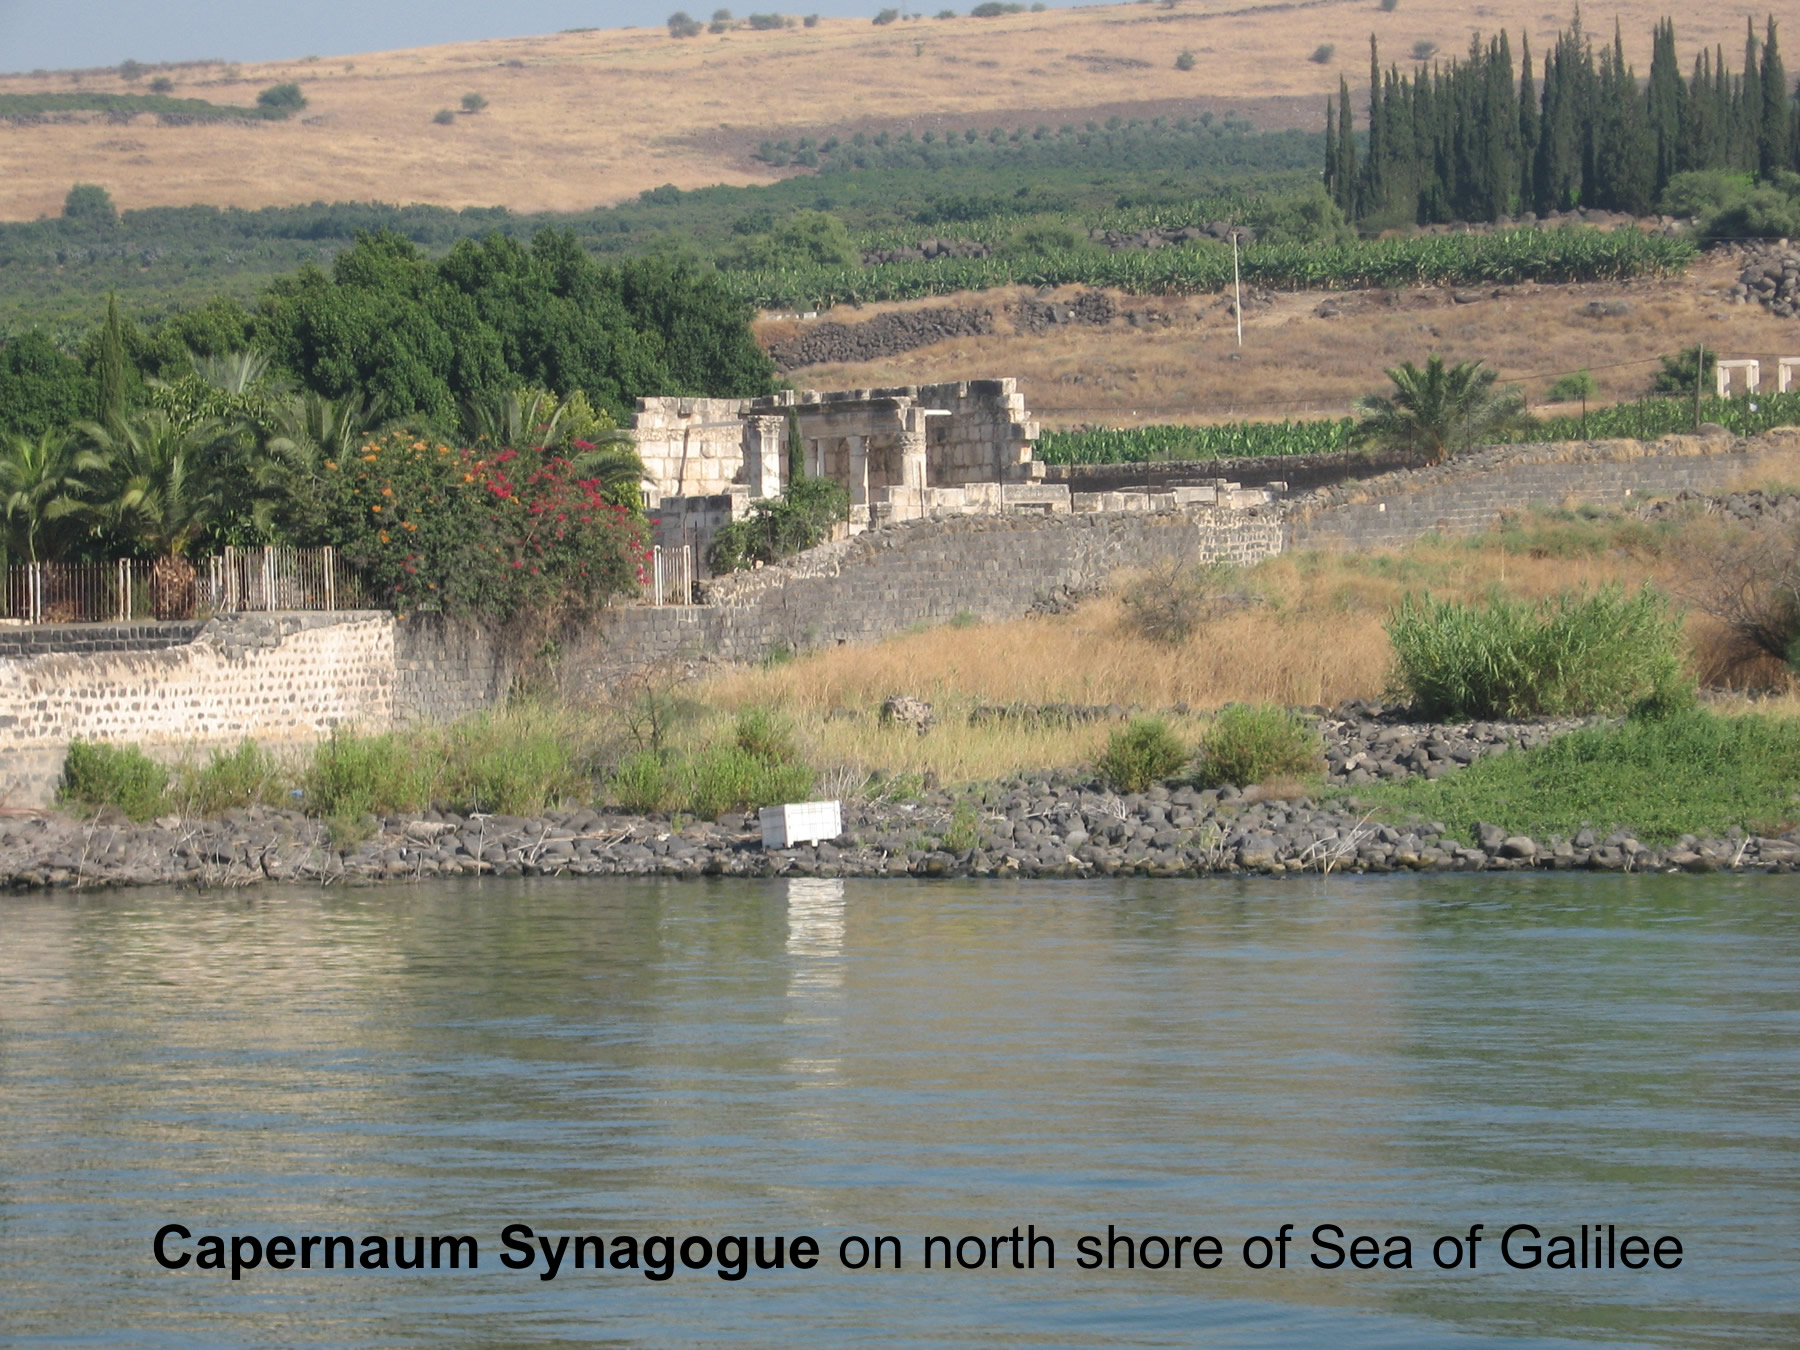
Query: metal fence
{"points": [[237, 580], [669, 580]]}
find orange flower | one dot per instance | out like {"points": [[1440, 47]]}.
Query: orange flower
{"points": [[369, 459], [330, 464], [387, 492], [408, 525], [383, 536], [376, 509]]}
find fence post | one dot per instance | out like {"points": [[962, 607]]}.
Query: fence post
{"points": [[268, 578], [124, 592], [330, 579], [37, 592]]}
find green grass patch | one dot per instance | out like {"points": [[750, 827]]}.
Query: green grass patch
{"points": [[1571, 656], [1692, 773]]}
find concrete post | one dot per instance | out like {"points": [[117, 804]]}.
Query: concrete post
{"points": [[1752, 375], [1784, 373]]}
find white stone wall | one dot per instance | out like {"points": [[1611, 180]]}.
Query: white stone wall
{"points": [[691, 447], [273, 679]]}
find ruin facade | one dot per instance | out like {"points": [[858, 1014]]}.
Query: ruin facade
{"points": [[906, 453]]}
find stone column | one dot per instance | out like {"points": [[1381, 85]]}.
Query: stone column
{"points": [[859, 470], [815, 458], [765, 455]]}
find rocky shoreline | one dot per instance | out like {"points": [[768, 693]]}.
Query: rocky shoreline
{"points": [[1055, 826]]}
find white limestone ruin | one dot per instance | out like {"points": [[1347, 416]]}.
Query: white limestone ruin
{"points": [[904, 453], [1752, 375]]}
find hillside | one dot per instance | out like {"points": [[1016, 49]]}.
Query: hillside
{"points": [[584, 118], [1136, 360]]}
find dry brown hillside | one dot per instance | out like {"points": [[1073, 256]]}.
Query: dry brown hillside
{"points": [[1180, 362], [580, 119]]}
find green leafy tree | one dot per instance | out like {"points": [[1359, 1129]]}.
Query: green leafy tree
{"points": [[282, 98], [41, 389], [1440, 410], [1683, 373], [90, 206], [684, 25]]}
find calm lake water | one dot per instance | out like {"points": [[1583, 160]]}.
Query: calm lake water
{"points": [[1395, 1056]]}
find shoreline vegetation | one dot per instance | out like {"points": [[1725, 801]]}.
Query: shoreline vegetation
{"points": [[1544, 711]]}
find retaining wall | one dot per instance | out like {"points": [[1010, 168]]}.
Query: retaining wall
{"points": [[273, 678], [890, 579], [1473, 493]]}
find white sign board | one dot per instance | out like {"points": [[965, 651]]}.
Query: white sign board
{"points": [[801, 823]]}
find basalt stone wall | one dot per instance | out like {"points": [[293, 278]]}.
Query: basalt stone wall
{"points": [[445, 670], [61, 639], [272, 678], [1473, 493], [888, 580]]}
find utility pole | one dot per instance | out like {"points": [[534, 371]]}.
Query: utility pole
{"points": [[1237, 285]]}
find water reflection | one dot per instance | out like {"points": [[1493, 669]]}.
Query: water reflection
{"points": [[1399, 1055], [815, 951]]}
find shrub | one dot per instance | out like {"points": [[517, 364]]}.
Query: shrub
{"points": [[1322, 54], [486, 534], [1748, 578], [884, 17], [644, 784], [946, 14], [1141, 753], [162, 84], [96, 774], [766, 735], [1424, 50], [246, 776], [443, 117], [780, 527], [964, 831], [994, 9], [762, 23], [683, 25], [1572, 656], [473, 103], [1185, 61], [725, 778], [1251, 743], [282, 98], [1569, 388], [352, 776], [1681, 374], [1389, 6], [513, 763], [1170, 602], [811, 21]]}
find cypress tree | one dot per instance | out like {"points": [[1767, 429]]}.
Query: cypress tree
{"points": [[1331, 150], [1665, 102], [1773, 150], [1346, 171], [1528, 124], [1749, 104], [1502, 130], [1374, 195], [110, 367]]}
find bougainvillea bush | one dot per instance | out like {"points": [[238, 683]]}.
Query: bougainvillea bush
{"points": [[491, 534]]}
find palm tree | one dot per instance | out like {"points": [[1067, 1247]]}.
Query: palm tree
{"points": [[165, 485], [1439, 411], [40, 494]]}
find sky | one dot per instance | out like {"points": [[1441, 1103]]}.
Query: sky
{"points": [[77, 34]]}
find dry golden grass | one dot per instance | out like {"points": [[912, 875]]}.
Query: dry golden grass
{"points": [[579, 119], [1317, 638], [1296, 364]]}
